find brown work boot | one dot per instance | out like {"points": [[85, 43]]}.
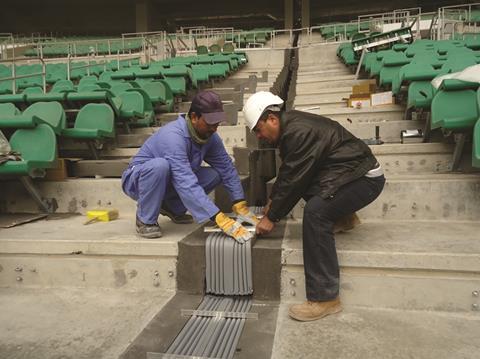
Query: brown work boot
{"points": [[346, 223], [311, 310]]}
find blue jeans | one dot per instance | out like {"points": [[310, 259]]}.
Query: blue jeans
{"points": [[150, 185]]}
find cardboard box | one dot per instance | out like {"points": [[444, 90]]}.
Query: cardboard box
{"points": [[359, 101], [364, 88], [59, 173], [382, 98]]}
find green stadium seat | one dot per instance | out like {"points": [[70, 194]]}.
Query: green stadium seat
{"points": [[63, 86], [454, 110], [202, 50], [93, 122], [119, 88], [38, 149], [215, 49], [476, 145], [228, 48]]}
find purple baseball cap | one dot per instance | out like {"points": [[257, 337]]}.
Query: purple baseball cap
{"points": [[208, 103]]}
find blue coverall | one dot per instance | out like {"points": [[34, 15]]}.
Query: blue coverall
{"points": [[168, 168]]}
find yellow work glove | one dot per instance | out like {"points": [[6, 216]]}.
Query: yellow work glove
{"points": [[244, 214], [232, 228]]}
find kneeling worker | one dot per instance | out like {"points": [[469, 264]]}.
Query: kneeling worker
{"points": [[166, 177], [335, 172]]}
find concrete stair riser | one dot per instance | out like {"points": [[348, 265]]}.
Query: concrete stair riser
{"points": [[321, 85], [125, 272], [317, 78], [395, 289], [454, 198]]}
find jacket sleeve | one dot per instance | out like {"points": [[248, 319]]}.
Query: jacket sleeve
{"points": [[218, 158], [302, 150], [185, 181]]}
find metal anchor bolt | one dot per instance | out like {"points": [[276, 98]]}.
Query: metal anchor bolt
{"points": [[156, 274], [170, 273], [475, 306], [292, 293], [18, 269], [475, 293], [292, 281], [19, 279]]}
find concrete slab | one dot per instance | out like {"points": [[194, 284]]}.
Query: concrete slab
{"points": [[432, 197], [64, 252], [358, 333], [73, 323]]}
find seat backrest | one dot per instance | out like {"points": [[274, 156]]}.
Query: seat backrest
{"points": [[33, 89], [228, 48], [119, 88], [88, 87], [50, 113], [96, 116], [63, 85], [8, 110], [132, 101], [37, 144], [202, 50], [92, 79], [215, 48]]}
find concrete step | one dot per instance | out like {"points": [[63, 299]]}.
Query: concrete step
{"points": [[304, 75], [62, 252], [421, 197], [399, 265], [338, 98], [325, 91], [314, 86], [366, 114], [319, 79], [359, 332]]}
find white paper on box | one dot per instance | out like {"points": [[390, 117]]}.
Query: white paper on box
{"points": [[381, 98]]}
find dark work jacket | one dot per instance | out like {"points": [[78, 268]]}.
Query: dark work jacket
{"points": [[318, 157]]}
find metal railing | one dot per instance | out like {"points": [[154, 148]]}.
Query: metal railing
{"points": [[16, 77]]}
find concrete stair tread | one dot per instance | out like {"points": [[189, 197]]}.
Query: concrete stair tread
{"points": [[347, 110], [411, 148], [66, 235], [402, 245], [377, 334], [343, 89], [322, 79]]}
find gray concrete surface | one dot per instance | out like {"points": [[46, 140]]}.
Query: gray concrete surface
{"points": [[73, 323], [358, 333]]}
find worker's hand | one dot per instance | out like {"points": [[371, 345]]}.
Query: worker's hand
{"points": [[233, 228], [265, 226], [244, 214], [267, 207]]}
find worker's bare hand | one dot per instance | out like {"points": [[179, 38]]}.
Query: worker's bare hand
{"points": [[265, 226]]}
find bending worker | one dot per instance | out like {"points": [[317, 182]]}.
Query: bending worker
{"points": [[166, 177], [335, 172]]}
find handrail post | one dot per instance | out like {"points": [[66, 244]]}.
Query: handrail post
{"points": [[68, 67], [44, 73]]}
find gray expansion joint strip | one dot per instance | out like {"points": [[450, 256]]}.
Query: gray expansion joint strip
{"points": [[214, 328]]}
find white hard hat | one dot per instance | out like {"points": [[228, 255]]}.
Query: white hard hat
{"points": [[256, 106]]}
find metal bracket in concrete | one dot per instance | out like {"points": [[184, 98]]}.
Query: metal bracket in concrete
{"points": [[218, 314]]}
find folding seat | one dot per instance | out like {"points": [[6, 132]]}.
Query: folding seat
{"points": [[228, 48], [159, 93], [63, 86], [49, 113], [202, 50], [136, 106], [456, 109], [94, 123], [91, 79], [38, 149], [119, 88], [391, 65]]}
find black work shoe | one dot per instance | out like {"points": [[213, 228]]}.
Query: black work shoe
{"points": [[148, 230], [176, 218]]}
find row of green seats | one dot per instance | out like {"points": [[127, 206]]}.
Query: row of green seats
{"points": [[56, 72], [84, 49]]}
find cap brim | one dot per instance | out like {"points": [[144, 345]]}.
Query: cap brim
{"points": [[213, 118]]}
